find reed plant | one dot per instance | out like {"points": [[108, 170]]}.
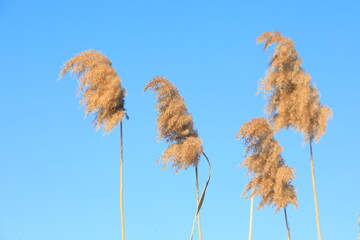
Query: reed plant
{"points": [[270, 176], [293, 99], [175, 125], [102, 94]]}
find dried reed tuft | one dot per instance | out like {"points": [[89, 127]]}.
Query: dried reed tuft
{"points": [[293, 98], [99, 87], [102, 94], [271, 178], [175, 125]]}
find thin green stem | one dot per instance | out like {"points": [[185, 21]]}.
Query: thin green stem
{"points": [[197, 202], [287, 225], [315, 194], [251, 217], [201, 200], [121, 185]]}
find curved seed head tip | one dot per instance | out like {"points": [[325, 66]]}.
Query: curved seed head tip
{"points": [[175, 125], [99, 87], [270, 177]]}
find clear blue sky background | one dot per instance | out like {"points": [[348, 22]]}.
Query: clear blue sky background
{"points": [[59, 177]]}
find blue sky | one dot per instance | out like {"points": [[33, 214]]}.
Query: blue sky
{"points": [[59, 177]]}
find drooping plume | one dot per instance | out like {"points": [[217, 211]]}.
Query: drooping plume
{"points": [[293, 100], [271, 177], [99, 87], [175, 125]]}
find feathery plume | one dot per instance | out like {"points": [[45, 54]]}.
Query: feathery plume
{"points": [[175, 125], [293, 100], [99, 87], [102, 94], [271, 178]]}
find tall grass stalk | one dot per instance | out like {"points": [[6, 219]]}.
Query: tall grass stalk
{"points": [[175, 125], [201, 200], [102, 94], [359, 226], [121, 184], [315, 193], [271, 177], [293, 99], [197, 203], [251, 217], [287, 224]]}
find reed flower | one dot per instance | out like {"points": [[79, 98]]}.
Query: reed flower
{"points": [[175, 125], [99, 87], [293, 100], [271, 177]]}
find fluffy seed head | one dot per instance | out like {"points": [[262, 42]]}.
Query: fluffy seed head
{"points": [[175, 125], [271, 177], [99, 87], [293, 100]]}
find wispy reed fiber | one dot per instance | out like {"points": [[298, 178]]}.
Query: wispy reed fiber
{"points": [[99, 87], [102, 94], [175, 125], [270, 176], [293, 100]]}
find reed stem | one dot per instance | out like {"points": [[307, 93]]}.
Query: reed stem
{"points": [[251, 217], [287, 224], [315, 194], [197, 202], [359, 226], [201, 200], [121, 185]]}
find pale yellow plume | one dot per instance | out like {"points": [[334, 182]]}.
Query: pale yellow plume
{"points": [[175, 125], [270, 177], [293, 100], [99, 87]]}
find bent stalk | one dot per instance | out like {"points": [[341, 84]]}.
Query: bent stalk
{"points": [[201, 200], [315, 194]]}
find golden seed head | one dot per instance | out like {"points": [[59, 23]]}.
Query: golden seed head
{"points": [[293, 100], [271, 177], [99, 87], [175, 125]]}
